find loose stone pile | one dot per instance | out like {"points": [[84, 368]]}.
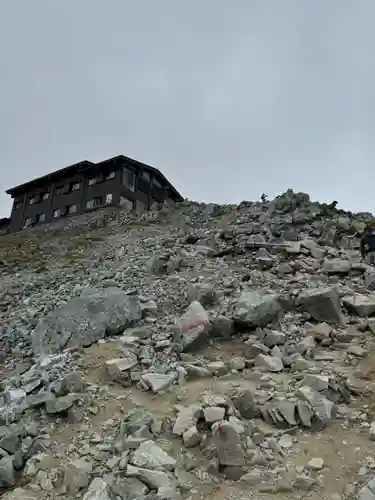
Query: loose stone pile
{"points": [[281, 283]]}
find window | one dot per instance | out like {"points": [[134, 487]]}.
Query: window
{"points": [[108, 198], [126, 204], [45, 196], [128, 179], [56, 213], [97, 201], [59, 189], [41, 217], [110, 175], [27, 222], [75, 186], [72, 209], [17, 205], [95, 180], [146, 176], [156, 183], [34, 199], [89, 204]]}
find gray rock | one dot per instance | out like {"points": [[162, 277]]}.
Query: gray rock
{"points": [[72, 382], [9, 440], [256, 308], [270, 363], [323, 304], [245, 404], [187, 417], [195, 328], [336, 266], [60, 405], [7, 478], [99, 490], [153, 479], [85, 320], [228, 444], [191, 437], [361, 305], [77, 476], [159, 382], [324, 410], [150, 456], [213, 414], [237, 363], [130, 489], [222, 327], [117, 367], [274, 338], [21, 494], [357, 350], [316, 382], [205, 294]]}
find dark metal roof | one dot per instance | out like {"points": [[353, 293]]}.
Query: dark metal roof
{"points": [[70, 170], [86, 165]]}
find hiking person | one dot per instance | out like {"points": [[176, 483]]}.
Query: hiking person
{"points": [[368, 245]]}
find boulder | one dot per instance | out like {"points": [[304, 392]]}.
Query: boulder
{"points": [[361, 305], [256, 308], [85, 320], [322, 303], [228, 444], [336, 266], [324, 410], [99, 490], [150, 456], [194, 328]]}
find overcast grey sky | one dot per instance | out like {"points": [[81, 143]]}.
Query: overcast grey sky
{"points": [[228, 99]]}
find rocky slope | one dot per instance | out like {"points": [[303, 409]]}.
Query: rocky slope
{"points": [[199, 352]]}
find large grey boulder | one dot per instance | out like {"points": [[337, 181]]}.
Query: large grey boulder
{"points": [[85, 320], [324, 410], [361, 305], [256, 308], [228, 444], [336, 266], [322, 303], [99, 490]]}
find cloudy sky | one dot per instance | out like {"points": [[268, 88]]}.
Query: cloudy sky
{"points": [[228, 99]]}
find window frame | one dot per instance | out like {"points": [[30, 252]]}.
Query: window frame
{"points": [[125, 174], [69, 207], [111, 175], [73, 188], [38, 218]]}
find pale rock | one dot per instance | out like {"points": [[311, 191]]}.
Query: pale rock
{"points": [[322, 303], [150, 456], [317, 382], [159, 382], [99, 490], [191, 437], [117, 366], [154, 479], [361, 305], [228, 444], [237, 363], [316, 464], [270, 363], [213, 414], [256, 308], [187, 417]]}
